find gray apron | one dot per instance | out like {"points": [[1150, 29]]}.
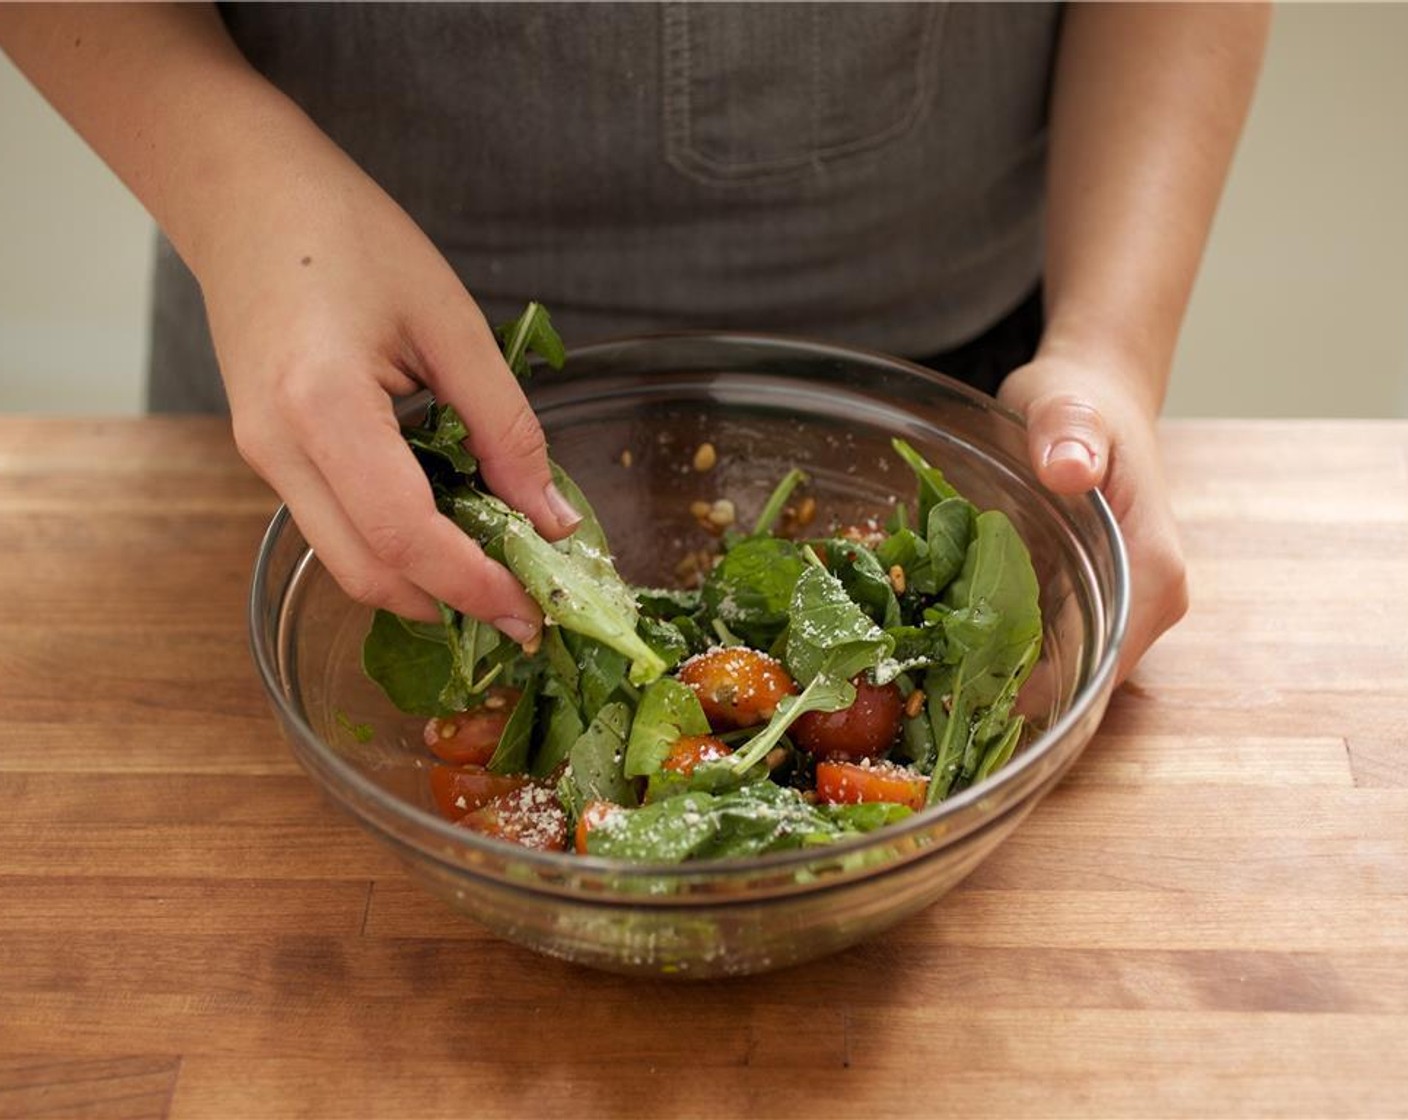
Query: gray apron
{"points": [[863, 173]]}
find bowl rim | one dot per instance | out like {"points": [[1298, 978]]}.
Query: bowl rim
{"points": [[1094, 694]]}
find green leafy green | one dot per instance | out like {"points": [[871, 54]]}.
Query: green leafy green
{"points": [[531, 332], [575, 585], [980, 689], [749, 590], [830, 640], [595, 761], [511, 755], [777, 501], [411, 668], [668, 711], [749, 821]]}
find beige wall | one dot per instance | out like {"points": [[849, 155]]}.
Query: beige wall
{"points": [[1302, 308]]}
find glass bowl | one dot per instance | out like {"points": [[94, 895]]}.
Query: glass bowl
{"points": [[766, 404]]}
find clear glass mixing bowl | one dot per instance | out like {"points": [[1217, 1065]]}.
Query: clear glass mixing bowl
{"points": [[766, 404]]}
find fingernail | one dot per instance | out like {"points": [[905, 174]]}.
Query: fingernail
{"points": [[561, 508], [1070, 451], [518, 629]]}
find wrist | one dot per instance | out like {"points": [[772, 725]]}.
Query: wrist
{"points": [[1096, 357]]}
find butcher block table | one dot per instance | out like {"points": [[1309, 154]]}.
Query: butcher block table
{"points": [[1208, 918]]}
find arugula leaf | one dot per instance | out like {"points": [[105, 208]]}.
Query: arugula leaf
{"points": [[933, 486], [360, 732], [830, 640], [602, 673], [573, 583], [531, 332], [442, 438], [471, 643], [563, 728], [997, 578], [777, 501], [588, 532], [999, 752]]}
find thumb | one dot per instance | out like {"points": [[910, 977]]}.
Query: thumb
{"points": [[1068, 442]]}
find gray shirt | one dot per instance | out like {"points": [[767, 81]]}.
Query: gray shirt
{"points": [[864, 173]]}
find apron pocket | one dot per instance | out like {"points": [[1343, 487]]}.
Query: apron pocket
{"points": [[762, 91]]}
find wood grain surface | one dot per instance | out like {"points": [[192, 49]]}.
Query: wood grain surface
{"points": [[1208, 918]]}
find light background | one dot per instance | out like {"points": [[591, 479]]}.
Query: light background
{"points": [[1301, 308]]}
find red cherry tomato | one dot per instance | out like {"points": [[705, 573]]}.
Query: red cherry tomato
{"points": [[530, 816], [737, 687], [594, 813], [472, 736], [867, 729], [689, 751], [850, 783], [459, 789]]}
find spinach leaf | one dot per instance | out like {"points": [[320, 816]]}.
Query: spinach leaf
{"points": [[667, 602], [594, 763], [749, 589], [562, 729], [410, 666], [511, 755], [744, 822], [668, 711], [908, 550], [949, 530], [865, 580]]}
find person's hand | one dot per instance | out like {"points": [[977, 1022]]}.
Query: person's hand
{"points": [[1087, 428], [325, 304]]}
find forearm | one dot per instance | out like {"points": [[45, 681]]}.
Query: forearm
{"points": [[165, 98], [1147, 105]]}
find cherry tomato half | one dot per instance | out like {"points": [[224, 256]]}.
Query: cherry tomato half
{"points": [[867, 729], [459, 789], [594, 813], [472, 736], [850, 783], [737, 687], [689, 751], [530, 816]]}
